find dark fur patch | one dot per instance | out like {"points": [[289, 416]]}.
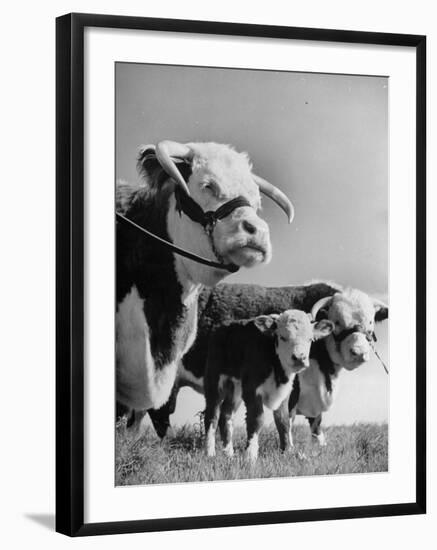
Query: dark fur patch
{"points": [[315, 424], [241, 351], [229, 302], [161, 417], [320, 354], [143, 263], [381, 314], [295, 394]]}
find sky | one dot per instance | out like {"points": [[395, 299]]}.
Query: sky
{"points": [[323, 140]]}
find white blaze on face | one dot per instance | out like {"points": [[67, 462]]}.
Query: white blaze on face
{"points": [[294, 333], [220, 174]]}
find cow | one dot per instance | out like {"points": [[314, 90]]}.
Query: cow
{"points": [[353, 314], [255, 361], [228, 302], [202, 197], [222, 304]]}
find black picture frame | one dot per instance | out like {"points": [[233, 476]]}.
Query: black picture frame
{"points": [[70, 273]]}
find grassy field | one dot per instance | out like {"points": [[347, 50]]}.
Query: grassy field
{"points": [[180, 457]]}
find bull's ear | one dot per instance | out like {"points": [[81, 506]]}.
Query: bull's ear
{"points": [[147, 162], [322, 329], [381, 310], [151, 170], [266, 323]]}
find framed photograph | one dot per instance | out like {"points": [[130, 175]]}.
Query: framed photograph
{"points": [[240, 274]]}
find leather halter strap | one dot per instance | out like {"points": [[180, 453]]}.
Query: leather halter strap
{"points": [[348, 331], [370, 336], [187, 205], [232, 268]]}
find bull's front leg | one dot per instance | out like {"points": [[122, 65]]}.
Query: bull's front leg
{"points": [[161, 417], [316, 430], [283, 425], [254, 422]]}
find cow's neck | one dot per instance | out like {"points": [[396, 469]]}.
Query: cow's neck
{"points": [[281, 374], [330, 369], [168, 290], [191, 236]]}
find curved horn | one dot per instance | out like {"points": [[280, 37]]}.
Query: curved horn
{"points": [[318, 306], [276, 195], [169, 151]]}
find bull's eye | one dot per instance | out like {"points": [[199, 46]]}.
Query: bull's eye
{"points": [[210, 187]]}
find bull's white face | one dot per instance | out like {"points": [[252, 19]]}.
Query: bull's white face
{"points": [[220, 174], [294, 332], [351, 309]]}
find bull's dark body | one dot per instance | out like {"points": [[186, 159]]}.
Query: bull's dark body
{"points": [[144, 264]]}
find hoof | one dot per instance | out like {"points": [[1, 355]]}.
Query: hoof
{"points": [[228, 451], [320, 439]]}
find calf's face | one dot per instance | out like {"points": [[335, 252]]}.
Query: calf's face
{"points": [[293, 332]]}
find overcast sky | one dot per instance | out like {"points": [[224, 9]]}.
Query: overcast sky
{"points": [[320, 138]]}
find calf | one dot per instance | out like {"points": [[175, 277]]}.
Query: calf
{"points": [[255, 361], [353, 314]]}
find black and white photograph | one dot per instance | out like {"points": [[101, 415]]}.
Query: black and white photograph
{"points": [[252, 269], [215, 275]]}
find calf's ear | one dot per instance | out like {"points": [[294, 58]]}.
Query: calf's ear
{"points": [[266, 323], [322, 328]]}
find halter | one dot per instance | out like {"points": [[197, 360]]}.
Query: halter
{"points": [[208, 220], [370, 337]]}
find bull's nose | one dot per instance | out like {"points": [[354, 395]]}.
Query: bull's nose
{"points": [[249, 227]]}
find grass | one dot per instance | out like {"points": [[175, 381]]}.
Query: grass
{"points": [[180, 457]]}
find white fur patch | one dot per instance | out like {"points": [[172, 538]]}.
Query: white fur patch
{"points": [[229, 448], [252, 448], [320, 438], [210, 442], [139, 384], [187, 378], [290, 433], [272, 394], [314, 398]]}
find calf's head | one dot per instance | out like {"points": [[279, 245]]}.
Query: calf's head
{"points": [[353, 314], [210, 175], [293, 331]]}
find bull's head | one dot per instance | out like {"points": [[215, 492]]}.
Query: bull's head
{"points": [[211, 175], [354, 314]]}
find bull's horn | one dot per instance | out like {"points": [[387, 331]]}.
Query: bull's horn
{"points": [[276, 195], [167, 152], [318, 306]]}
